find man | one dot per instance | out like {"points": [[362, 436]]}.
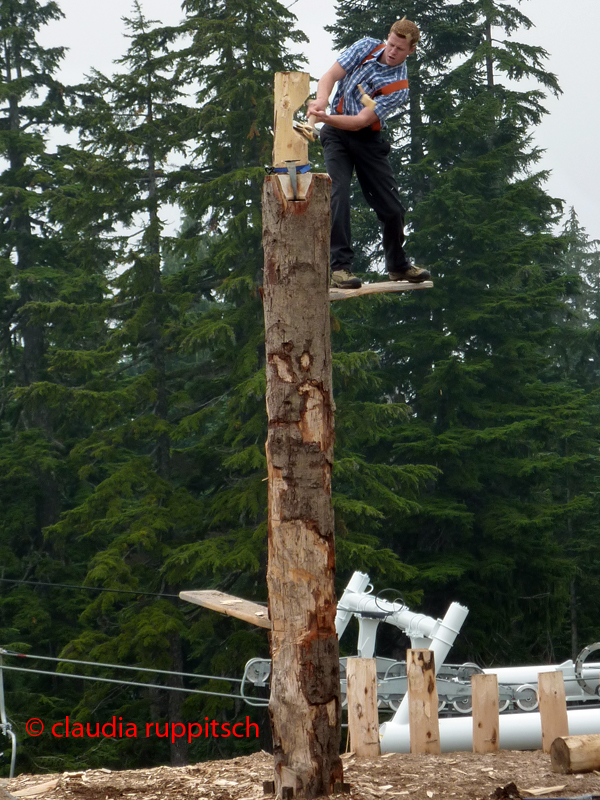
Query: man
{"points": [[352, 140]]}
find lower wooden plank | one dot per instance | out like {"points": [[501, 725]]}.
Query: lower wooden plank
{"points": [[230, 605]]}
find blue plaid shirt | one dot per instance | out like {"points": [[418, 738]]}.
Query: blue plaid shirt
{"points": [[372, 75]]}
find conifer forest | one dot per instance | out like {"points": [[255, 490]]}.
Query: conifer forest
{"points": [[132, 366]]}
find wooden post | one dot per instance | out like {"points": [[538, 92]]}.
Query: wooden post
{"points": [[553, 707], [305, 707], [576, 753], [363, 716], [422, 702], [486, 715]]}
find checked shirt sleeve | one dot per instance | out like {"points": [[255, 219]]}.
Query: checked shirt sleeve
{"points": [[390, 104]]}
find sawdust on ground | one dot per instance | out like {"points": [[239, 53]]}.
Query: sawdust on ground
{"points": [[461, 776]]}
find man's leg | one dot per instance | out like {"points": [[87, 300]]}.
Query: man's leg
{"points": [[339, 165], [378, 183]]}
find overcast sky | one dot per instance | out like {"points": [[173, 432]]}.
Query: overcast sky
{"points": [[570, 134]]}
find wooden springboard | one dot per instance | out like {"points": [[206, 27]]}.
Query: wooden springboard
{"points": [[230, 605], [378, 288]]}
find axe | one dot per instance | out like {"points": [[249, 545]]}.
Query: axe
{"points": [[307, 129]]}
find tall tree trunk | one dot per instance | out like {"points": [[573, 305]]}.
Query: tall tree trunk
{"points": [[489, 61], [305, 704]]}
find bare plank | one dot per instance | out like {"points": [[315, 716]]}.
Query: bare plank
{"points": [[378, 288], [422, 702], [553, 707], [230, 605], [486, 723], [363, 717]]}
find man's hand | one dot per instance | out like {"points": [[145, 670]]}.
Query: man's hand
{"points": [[347, 122], [316, 107]]}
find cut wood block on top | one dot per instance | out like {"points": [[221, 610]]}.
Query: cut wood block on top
{"points": [[230, 605], [378, 288]]}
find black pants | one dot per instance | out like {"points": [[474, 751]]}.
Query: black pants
{"points": [[366, 152]]}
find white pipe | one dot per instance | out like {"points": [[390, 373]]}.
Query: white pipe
{"points": [[517, 731], [357, 584], [356, 600], [441, 642]]}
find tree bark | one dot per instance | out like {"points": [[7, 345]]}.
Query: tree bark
{"points": [[305, 706]]}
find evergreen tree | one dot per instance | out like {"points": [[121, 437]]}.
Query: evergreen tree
{"points": [[136, 504], [51, 296]]}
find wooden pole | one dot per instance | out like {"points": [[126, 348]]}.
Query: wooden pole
{"points": [[575, 753], [363, 716], [422, 702], [553, 707], [305, 705], [486, 715]]}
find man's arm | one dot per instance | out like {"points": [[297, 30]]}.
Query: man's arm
{"points": [[325, 87], [317, 107]]}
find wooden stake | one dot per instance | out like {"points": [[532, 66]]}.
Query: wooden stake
{"points": [[422, 702], [575, 753], [553, 707], [363, 717], [305, 706], [486, 715]]}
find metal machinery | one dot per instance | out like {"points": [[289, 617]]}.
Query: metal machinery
{"points": [[517, 685]]}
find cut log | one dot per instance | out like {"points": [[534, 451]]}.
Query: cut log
{"points": [[291, 91], [575, 753], [230, 605], [305, 707], [378, 288]]}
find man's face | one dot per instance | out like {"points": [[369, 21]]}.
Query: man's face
{"points": [[396, 50]]}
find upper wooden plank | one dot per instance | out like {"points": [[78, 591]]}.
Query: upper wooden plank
{"points": [[230, 605], [378, 288]]}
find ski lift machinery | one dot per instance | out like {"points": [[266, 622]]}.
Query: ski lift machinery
{"points": [[520, 725]]}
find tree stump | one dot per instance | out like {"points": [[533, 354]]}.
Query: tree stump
{"points": [[305, 706]]}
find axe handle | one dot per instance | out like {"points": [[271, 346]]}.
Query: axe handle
{"points": [[365, 99]]}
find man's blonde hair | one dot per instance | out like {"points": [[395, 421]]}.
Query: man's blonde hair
{"points": [[407, 29]]}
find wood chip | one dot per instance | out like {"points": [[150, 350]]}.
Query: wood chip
{"points": [[538, 791], [39, 788]]}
